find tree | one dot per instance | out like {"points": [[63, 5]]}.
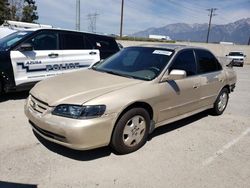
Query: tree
{"points": [[18, 10], [29, 13], [4, 11]]}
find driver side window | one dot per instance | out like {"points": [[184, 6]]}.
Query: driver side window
{"points": [[185, 61], [45, 41]]}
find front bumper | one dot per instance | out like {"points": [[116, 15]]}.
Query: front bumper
{"points": [[238, 62], [72, 133]]}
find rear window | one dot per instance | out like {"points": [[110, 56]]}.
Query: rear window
{"points": [[103, 43]]}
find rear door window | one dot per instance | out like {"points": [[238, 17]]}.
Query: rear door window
{"points": [[206, 62], [73, 41]]}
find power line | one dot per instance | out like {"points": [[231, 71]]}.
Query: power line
{"points": [[92, 22], [211, 14]]}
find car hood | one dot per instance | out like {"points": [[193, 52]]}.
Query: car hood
{"points": [[79, 87]]}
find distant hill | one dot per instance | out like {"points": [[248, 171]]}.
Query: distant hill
{"points": [[237, 32]]}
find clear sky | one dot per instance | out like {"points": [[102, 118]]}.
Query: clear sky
{"points": [[139, 14]]}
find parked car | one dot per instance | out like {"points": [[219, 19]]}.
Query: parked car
{"points": [[31, 55], [237, 58], [121, 100]]}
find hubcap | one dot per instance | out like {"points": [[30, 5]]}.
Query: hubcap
{"points": [[134, 131], [222, 102]]}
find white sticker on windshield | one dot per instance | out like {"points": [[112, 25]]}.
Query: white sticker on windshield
{"points": [[162, 52], [22, 33]]}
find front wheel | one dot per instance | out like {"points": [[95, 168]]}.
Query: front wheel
{"points": [[1, 88], [221, 102], [131, 131]]}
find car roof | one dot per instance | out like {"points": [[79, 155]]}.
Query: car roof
{"points": [[236, 52], [59, 29], [170, 46]]}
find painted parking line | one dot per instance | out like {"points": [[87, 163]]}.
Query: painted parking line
{"points": [[225, 147]]}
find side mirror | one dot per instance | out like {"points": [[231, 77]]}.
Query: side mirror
{"points": [[175, 74], [93, 64], [25, 47]]}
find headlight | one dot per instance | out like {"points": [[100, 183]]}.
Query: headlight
{"points": [[79, 112]]}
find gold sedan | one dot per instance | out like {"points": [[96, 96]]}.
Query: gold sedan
{"points": [[121, 100]]}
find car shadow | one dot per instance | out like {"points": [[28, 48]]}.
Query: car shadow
{"points": [[14, 96], [74, 154], [106, 151], [4, 184], [178, 124]]}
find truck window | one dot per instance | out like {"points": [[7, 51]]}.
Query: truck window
{"points": [[45, 41]]}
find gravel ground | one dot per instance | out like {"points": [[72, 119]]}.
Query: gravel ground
{"points": [[199, 151]]}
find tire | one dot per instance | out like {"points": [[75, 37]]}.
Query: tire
{"points": [[1, 88], [131, 131], [221, 102]]}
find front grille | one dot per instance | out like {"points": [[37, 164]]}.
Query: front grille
{"points": [[38, 105], [48, 133]]}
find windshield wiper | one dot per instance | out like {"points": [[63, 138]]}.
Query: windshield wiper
{"points": [[116, 73], [119, 74]]}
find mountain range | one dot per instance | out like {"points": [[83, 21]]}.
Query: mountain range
{"points": [[237, 32]]}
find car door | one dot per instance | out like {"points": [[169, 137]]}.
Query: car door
{"points": [[211, 74], [106, 45], [39, 63], [77, 53], [180, 96]]}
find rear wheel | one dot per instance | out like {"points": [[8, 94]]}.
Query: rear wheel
{"points": [[221, 102], [131, 131]]}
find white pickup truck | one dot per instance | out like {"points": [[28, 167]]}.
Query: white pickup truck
{"points": [[237, 58]]}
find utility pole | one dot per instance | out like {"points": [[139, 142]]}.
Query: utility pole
{"points": [[78, 17], [92, 22], [211, 14], [121, 18]]}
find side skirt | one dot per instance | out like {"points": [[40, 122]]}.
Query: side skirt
{"points": [[171, 120]]}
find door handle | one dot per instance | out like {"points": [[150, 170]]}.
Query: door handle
{"points": [[196, 86], [92, 53], [53, 55]]}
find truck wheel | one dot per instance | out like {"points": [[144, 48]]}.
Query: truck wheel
{"points": [[131, 131], [221, 102]]}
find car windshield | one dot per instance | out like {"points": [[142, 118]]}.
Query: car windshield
{"points": [[7, 41], [236, 54], [142, 63]]}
